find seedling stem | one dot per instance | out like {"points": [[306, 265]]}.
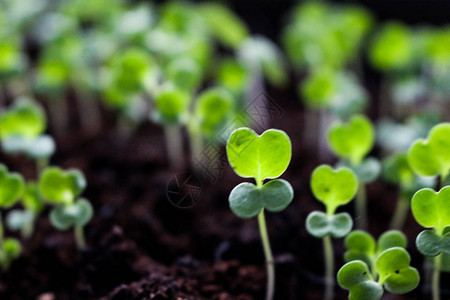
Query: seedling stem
{"points": [[174, 145], [329, 267], [400, 214], [270, 288], [436, 277], [361, 207], [79, 237]]}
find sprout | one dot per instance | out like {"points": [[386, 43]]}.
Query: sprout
{"points": [[351, 142], [61, 189], [11, 189], [432, 210], [430, 157], [394, 274], [233, 75], [333, 188], [397, 170], [261, 157], [184, 73], [21, 131]]}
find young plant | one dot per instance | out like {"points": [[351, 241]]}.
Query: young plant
{"points": [[431, 210], [431, 156], [333, 188], [351, 142], [171, 110], [11, 189], [22, 132], [261, 157], [397, 170], [24, 220], [61, 189]]}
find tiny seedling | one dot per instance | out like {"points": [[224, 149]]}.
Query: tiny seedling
{"points": [[22, 132], [11, 189], [61, 189], [432, 210], [261, 157], [333, 188], [351, 142], [24, 219], [233, 75], [184, 73], [431, 156], [397, 170], [171, 110]]}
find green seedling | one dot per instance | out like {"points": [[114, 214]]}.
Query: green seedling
{"points": [[171, 110], [11, 189], [22, 132], [233, 75], [430, 157], [12, 61], [261, 157], [184, 73], [333, 188], [394, 275], [212, 112], [24, 220], [351, 142], [62, 189], [432, 210], [397, 170]]}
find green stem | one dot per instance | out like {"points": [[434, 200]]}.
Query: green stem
{"points": [[79, 238], [270, 288], [400, 214], [89, 112], [174, 145], [361, 207], [196, 143], [41, 164], [436, 277], [329, 267]]}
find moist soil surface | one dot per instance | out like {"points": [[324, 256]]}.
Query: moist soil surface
{"points": [[145, 243]]}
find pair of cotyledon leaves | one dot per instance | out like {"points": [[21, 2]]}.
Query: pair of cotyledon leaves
{"points": [[260, 157], [333, 188], [432, 210], [21, 130], [396, 276], [431, 156], [62, 188]]}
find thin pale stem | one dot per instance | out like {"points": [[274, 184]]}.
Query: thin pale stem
{"points": [[329, 267], [28, 229], [79, 237], [361, 207], [436, 277], [400, 214], [89, 112], [196, 144], [174, 145], [270, 288], [41, 164]]}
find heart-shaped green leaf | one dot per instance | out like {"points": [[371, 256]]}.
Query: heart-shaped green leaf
{"points": [[246, 200], [432, 209], [32, 199], [320, 224], [357, 279], [212, 111], [367, 171], [431, 157], [431, 244], [66, 216], [395, 272], [360, 246], [11, 187], [396, 169], [391, 239], [333, 187], [10, 250], [352, 141], [261, 157], [184, 73], [25, 119], [171, 105], [61, 187]]}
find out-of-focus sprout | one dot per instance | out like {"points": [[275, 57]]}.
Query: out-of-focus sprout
{"points": [[233, 75], [22, 130]]}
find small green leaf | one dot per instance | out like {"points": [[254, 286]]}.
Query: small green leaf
{"points": [[32, 199], [171, 105], [357, 279], [319, 88], [65, 216], [396, 169], [246, 200], [395, 272], [184, 73], [319, 224], [10, 250], [429, 243], [233, 75], [333, 187], [360, 246], [262, 156], [353, 140], [212, 111], [11, 187], [430, 157], [367, 171], [24, 119], [61, 187], [391, 239], [432, 209]]}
